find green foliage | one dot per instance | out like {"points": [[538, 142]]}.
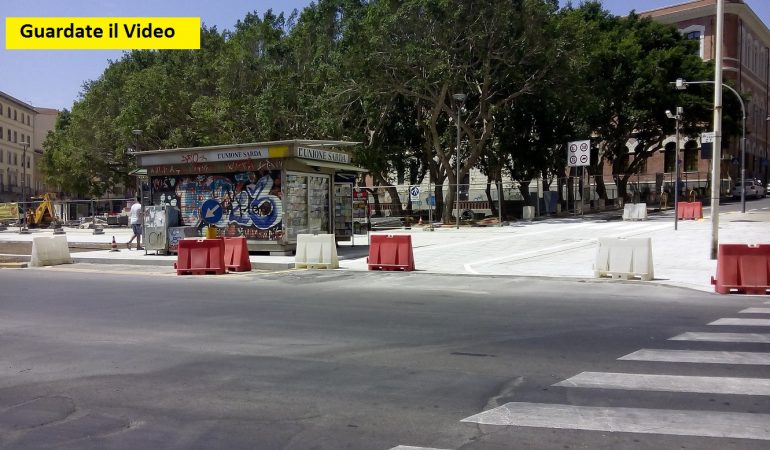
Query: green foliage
{"points": [[383, 72]]}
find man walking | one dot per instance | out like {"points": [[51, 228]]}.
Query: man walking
{"points": [[135, 219]]}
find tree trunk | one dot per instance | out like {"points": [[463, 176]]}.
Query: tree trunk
{"points": [[447, 217], [524, 189], [395, 202], [488, 190], [601, 189]]}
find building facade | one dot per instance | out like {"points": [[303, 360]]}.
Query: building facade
{"points": [[23, 129], [746, 62]]}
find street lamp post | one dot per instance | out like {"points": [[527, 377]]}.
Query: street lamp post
{"points": [[460, 99], [24, 171], [678, 118], [682, 84], [136, 134]]}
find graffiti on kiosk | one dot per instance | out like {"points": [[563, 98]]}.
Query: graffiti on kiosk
{"points": [[251, 201], [193, 158]]}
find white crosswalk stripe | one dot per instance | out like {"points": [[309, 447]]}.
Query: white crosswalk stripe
{"points": [[669, 383], [697, 356], [742, 322], [628, 420], [762, 338], [756, 311], [659, 421], [409, 447]]}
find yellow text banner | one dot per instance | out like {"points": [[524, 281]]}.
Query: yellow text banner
{"points": [[102, 33]]}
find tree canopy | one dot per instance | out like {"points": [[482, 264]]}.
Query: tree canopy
{"points": [[384, 72]]}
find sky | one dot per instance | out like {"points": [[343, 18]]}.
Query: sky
{"points": [[54, 79]]}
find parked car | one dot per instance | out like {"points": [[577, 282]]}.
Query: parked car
{"points": [[752, 188]]}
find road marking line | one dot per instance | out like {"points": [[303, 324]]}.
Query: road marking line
{"points": [[723, 337], [669, 383], [582, 242], [696, 356], [409, 447], [628, 420], [755, 311], [742, 322]]}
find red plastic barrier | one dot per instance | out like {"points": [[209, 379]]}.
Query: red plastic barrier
{"points": [[200, 257], [391, 252], [742, 268], [237, 254], [690, 210]]}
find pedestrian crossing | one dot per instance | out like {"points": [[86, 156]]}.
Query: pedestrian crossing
{"points": [[660, 421], [676, 422]]}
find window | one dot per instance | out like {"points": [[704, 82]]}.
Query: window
{"points": [[27, 139], [668, 160], [22, 137], [14, 114], [691, 160], [15, 159], [1, 133], [27, 119], [15, 137], [695, 33], [9, 135], [22, 118], [28, 160], [1, 181], [1, 156], [1, 108]]}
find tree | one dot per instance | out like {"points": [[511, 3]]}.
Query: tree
{"points": [[632, 61]]}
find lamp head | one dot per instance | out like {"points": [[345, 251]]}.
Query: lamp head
{"points": [[137, 132], [680, 84], [669, 115], [459, 97]]}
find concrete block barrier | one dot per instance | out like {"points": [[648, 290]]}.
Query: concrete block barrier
{"points": [[316, 251], [620, 258], [635, 211], [528, 212], [50, 251]]}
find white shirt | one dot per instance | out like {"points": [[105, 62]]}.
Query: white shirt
{"points": [[135, 216]]}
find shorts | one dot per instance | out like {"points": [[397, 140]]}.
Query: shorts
{"points": [[137, 227]]}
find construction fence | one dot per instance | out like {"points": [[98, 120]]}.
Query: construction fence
{"points": [[506, 200]]}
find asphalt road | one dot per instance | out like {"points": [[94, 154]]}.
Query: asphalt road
{"points": [[335, 360]]}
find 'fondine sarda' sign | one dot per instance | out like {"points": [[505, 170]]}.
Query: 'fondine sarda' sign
{"points": [[321, 155]]}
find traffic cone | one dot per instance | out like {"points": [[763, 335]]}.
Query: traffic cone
{"points": [[420, 222], [114, 245]]}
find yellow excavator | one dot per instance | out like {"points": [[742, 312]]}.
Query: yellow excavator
{"points": [[43, 215]]}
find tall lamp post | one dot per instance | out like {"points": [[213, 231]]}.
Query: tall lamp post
{"points": [[136, 134], [24, 171], [678, 118], [682, 84], [460, 99]]}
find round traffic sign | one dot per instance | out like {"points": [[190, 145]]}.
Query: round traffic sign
{"points": [[584, 158], [573, 148], [572, 159], [583, 146], [211, 211]]}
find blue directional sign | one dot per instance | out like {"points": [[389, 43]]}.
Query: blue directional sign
{"points": [[211, 211], [431, 201]]}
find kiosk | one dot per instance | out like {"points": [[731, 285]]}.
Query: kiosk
{"points": [[269, 191]]}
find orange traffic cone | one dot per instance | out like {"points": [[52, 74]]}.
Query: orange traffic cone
{"points": [[114, 245]]}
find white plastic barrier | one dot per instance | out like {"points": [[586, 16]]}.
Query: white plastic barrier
{"points": [[316, 251], [635, 211], [528, 212], [624, 258], [50, 251]]}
